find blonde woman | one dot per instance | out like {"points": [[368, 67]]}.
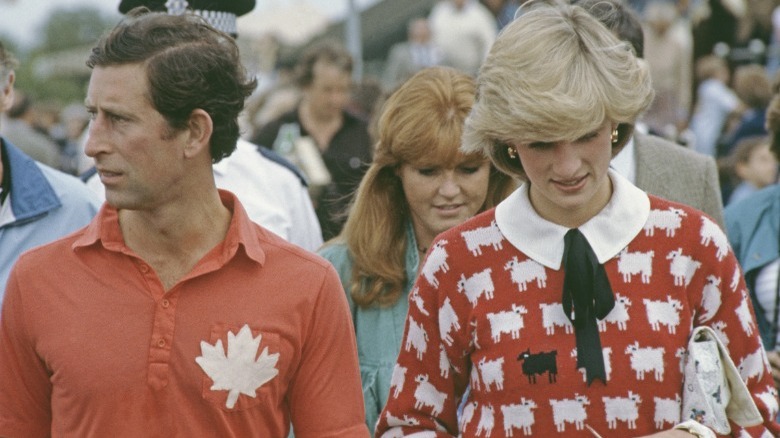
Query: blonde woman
{"points": [[565, 308], [418, 185]]}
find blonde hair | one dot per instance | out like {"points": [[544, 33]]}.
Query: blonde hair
{"points": [[554, 74], [421, 124]]}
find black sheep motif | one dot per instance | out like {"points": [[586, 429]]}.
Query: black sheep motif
{"points": [[539, 363]]}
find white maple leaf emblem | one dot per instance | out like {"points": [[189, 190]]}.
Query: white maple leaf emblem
{"points": [[238, 372]]}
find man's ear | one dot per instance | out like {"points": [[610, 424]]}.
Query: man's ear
{"points": [[200, 128], [7, 93]]}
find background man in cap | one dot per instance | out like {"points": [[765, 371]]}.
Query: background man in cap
{"points": [[172, 314], [273, 191]]}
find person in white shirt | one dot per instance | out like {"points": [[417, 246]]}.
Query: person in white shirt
{"points": [[464, 30]]}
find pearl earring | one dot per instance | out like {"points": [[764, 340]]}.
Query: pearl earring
{"points": [[511, 152]]}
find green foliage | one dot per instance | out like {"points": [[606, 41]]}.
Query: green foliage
{"points": [[53, 70]]}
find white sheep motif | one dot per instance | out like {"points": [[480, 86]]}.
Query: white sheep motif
{"points": [[518, 416], [753, 364], [669, 220], [633, 263], [427, 395], [624, 409], [663, 312], [606, 354], [398, 422], [720, 329], [735, 277], [484, 236], [444, 362], [683, 267], [769, 398], [476, 286], [570, 411], [667, 410], [474, 380], [507, 322], [448, 320], [525, 272], [397, 380], [744, 314], [467, 415], [646, 359], [553, 315], [710, 298], [418, 301], [618, 315], [435, 262], [492, 372], [487, 420], [416, 338], [711, 232]]}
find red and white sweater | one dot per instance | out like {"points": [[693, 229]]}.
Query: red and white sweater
{"points": [[491, 317]]}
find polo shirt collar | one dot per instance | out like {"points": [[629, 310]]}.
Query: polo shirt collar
{"points": [[611, 230], [241, 231]]}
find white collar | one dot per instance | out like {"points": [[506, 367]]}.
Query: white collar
{"points": [[608, 232]]}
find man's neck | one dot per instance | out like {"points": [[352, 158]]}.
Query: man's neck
{"points": [[173, 238]]}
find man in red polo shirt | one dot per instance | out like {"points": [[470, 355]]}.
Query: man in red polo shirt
{"points": [[172, 314]]}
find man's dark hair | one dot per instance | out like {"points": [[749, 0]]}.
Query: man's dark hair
{"points": [[618, 17], [189, 65], [328, 52]]}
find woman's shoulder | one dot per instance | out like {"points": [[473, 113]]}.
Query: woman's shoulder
{"points": [[335, 251]]}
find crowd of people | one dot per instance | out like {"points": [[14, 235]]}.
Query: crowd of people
{"points": [[518, 228]]}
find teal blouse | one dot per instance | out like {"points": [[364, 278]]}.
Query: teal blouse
{"points": [[378, 330]]}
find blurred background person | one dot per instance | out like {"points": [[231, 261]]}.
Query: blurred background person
{"points": [[753, 227], [408, 57], [418, 185], [754, 89], [73, 121], [341, 143], [669, 53], [751, 166], [38, 204], [20, 129], [503, 10], [654, 164], [464, 30], [716, 103]]}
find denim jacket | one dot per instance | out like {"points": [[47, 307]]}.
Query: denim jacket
{"points": [[43, 205], [379, 331], [753, 228]]}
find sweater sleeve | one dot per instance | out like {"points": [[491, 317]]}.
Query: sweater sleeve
{"points": [[723, 303], [430, 375]]}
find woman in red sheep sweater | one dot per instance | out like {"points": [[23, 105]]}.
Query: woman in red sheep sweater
{"points": [[549, 347]]}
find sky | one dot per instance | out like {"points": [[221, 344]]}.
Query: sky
{"points": [[22, 18]]}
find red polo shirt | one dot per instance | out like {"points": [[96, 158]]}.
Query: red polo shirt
{"points": [[256, 336]]}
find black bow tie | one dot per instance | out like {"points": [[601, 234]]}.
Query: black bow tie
{"points": [[586, 286]]}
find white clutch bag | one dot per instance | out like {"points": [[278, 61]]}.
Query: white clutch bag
{"points": [[713, 391]]}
